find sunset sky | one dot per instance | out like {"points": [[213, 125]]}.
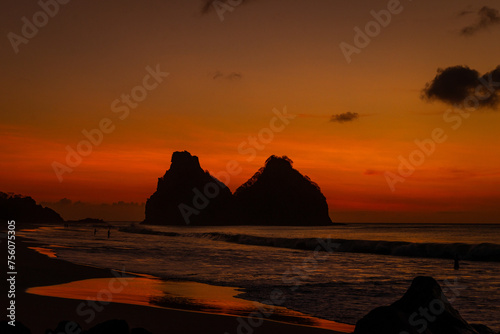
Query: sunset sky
{"points": [[226, 78]]}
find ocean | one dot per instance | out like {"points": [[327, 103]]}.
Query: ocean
{"points": [[337, 273]]}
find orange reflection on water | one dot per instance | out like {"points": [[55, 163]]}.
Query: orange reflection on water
{"points": [[44, 251], [190, 296], [126, 290]]}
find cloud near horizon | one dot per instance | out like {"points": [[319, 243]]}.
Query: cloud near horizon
{"points": [[456, 84], [487, 17], [344, 117], [123, 211], [373, 172]]}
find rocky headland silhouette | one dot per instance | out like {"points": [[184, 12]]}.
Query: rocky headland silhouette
{"points": [[24, 209]]}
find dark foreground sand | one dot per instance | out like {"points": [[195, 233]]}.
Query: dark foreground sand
{"points": [[40, 313]]}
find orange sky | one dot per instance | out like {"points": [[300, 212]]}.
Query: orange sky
{"points": [[225, 78]]}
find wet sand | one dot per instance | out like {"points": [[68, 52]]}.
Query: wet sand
{"points": [[43, 312]]}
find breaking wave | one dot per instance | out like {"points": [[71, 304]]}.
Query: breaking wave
{"points": [[471, 252]]}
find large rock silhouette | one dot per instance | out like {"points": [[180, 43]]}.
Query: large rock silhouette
{"points": [[422, 309], [278, 194], [188, 195]]}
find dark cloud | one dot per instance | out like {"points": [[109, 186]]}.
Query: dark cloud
{"points": [[344, 117], [487, 17], [230, 76], [454, 85]]}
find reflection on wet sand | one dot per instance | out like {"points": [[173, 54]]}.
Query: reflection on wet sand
{"points": [[45, 251], [190, 296]]}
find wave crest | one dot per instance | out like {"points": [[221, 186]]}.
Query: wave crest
{"points": [[471, 252]]}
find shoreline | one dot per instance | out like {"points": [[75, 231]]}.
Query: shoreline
{"points": [[37, 270]]}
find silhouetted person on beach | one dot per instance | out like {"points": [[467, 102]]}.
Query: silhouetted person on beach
{"points": [[109, 232], [95, 231], [457, 263]]}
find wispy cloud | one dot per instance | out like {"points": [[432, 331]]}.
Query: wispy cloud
{"points": [[373, 172], [344, 117], [229, 76], [487, 17], [466, 12]]}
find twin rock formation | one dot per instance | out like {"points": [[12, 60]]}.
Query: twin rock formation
{"points": [[276, 195]]}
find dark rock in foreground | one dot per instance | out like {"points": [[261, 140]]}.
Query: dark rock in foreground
{"points": [[24, 209], [65, 327], [19, 328], [278, 194], [110, 327], [423, 309], [188, 195]]}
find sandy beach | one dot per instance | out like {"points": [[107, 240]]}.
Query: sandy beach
{"points": [[40, 312], [245, 167]]}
